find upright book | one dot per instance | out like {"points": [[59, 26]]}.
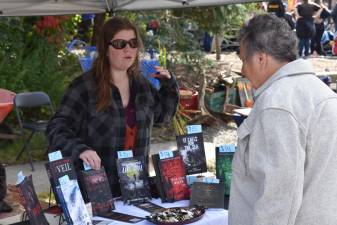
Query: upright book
{"points": [[223, 165], [171, 178], [98, 190], [67, 192], [191, 148], [133, 179], [30, 202], [210, 195], [74, 202]]}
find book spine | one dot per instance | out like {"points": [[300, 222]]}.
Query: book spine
{"points": [[159, 183]]}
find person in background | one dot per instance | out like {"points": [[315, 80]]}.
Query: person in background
{"points": [[305, 13], [334, 16], [4, 207], [323, 14], [284, 168], [112, 107]]}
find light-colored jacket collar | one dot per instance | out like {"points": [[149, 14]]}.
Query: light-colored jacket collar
{"points": [[294, 68]]}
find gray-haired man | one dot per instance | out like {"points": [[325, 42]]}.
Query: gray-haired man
{"points": [[285, 168]]}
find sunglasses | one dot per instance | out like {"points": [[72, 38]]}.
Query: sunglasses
{"points": [[120, 43]]}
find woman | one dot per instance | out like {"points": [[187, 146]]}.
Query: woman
{"points": [[305, 29], [112, 107], [323, 14]]}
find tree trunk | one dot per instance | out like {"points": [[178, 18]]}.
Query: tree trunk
{"points": [[98, 24], [201, 94], [217, 47]]}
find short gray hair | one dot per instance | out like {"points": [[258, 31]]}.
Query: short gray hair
{"points": [[269, 34]]}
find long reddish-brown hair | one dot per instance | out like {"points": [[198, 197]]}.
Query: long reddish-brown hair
{"points": [[101, 66]]}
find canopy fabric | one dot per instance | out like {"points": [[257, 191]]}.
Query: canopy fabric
{"points": [[62, 7]]}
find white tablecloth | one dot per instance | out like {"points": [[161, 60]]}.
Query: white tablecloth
{"points": [[211, 217]]}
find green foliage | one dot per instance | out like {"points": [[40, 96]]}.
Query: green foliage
{"points": [[28, 62], [33, 61]]}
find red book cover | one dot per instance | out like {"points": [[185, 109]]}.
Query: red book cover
{"points": [[174, 178]]}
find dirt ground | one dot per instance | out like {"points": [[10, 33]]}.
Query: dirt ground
{"points": [[221, 132]]}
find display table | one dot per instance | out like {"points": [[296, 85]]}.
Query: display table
{"points": [[211, 217], [6, 103]]}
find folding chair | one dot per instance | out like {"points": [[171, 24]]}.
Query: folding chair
{"points": [[29, 100]]}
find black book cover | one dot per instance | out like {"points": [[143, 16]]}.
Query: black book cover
{"points": [[97, 187], [173, 176], [133, 179], [55, 170], [209, 195], [223, 168], [122, 217], [191, 148], [150, 207], [61, 167], [31, 202]]}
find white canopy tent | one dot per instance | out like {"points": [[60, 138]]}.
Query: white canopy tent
{"points": [[61, 7]]}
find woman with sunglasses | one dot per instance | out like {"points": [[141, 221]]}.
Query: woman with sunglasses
{"points": [[112, 107]]}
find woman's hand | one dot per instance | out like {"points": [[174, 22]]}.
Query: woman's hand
{"points": [[161, 73], [91, 158]]}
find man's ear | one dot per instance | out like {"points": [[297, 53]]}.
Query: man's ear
{"points": [[263, 59]]}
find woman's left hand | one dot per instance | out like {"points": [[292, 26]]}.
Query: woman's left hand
{"points": [[161, 73]]}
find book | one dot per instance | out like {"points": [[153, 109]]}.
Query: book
{"points": [[173, 179], [64, 168], [122, 217], [223, 165], [74, 203], [30, 202], [149, 207], [55, 170], [191, 148], [98, 190], [158, 178], [210, 195], [133, 179]]}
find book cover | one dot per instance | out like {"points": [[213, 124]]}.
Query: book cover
{"points": [[210, 195], [74, 203], [31, 202], [223, 168], [150, 207], [158, 179], [133, 179], [97, 187], [191, 148], [173, 175], [55, 170], [122, 217], [60, 168]]}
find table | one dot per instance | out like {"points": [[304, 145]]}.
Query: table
{"points": [[211, 217], [6, 103]]}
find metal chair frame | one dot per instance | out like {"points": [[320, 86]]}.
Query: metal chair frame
{"points": [[31, 100]]}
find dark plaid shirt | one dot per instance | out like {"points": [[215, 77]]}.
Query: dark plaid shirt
{"points": [[77, 126]]}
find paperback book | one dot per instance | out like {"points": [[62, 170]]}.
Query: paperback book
{"points": [[98, 190], [74, 203], [30, 202], [191, 148], [223, 165], [133, 179], [171, 178], [210, 195]]}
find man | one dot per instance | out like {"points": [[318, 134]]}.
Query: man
{"points": [[285, 167]]}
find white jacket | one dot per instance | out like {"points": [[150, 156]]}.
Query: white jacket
{"points": [[285, 168]]}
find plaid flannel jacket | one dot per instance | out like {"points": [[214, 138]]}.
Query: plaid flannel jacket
{"points": [[77, 126]]}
